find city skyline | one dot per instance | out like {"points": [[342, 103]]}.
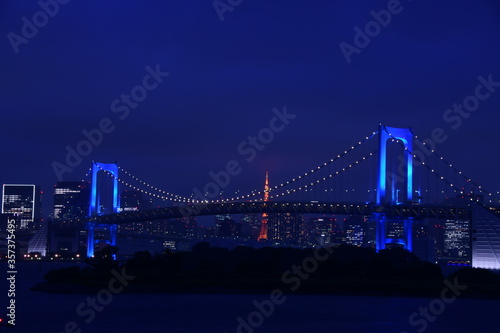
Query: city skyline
{"points": [[222, 88], [244, 166]]}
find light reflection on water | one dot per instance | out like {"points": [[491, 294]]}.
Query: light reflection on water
{"points": [[41, 312]]}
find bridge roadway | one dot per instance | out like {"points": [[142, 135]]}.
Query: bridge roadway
{"points": [[391, 211]]}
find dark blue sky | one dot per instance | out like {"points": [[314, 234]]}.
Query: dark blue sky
{"points": [[227, 76]]}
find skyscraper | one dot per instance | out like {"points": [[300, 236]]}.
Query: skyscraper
{"points": [[251, 225], [457, 241], [23, 200], [227, 227], [486, 239], [323, 231], [354, 230], [71, 200], [285, 228]]}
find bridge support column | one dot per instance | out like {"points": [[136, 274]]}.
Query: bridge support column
{"points": [[408, 234], [95, 204], [90, 239], [380, 240], [112, 234]]}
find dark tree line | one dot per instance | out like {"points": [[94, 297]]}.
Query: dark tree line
{"points": [[342, 269]]}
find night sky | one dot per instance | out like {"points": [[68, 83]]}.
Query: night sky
{"points": [[226, 77]]}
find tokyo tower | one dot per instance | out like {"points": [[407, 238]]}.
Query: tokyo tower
{"points": [[263, 228]]}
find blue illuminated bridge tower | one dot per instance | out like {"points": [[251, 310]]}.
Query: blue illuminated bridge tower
{"points": [[389, 231], [396, 205], [393, 198], [95, 207]]}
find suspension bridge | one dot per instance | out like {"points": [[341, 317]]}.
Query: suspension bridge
{"points": [[390, 175]]}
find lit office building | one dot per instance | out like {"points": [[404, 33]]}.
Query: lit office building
{"points": [[188, 227], [251, 225], [457, 241], [227, 227], [324, 231], [354, 234], [286, 228], [486, 240], [71, 200], [24, 201], [423, 243]]}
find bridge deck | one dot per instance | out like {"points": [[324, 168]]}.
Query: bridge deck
{"points": [[394, 211]]}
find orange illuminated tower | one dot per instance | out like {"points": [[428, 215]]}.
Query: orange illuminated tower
{"points": [[263, 227]]}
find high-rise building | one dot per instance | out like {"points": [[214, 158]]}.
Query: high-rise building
{"points": [[183, 227], [370, 232], [285, 228], [71, 200], [251, 225], [226, 227], [457, 241], [24, 200], [323, 231], [486, 239], [354, 230], [437, 234], [423, 243], [190, 227]]}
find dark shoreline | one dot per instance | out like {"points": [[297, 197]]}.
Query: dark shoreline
{"points": [[345, 270]]}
